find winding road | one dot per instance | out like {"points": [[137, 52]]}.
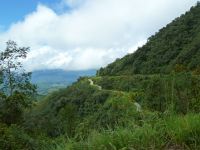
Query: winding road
{"points": [[137, 105], [92, 84]]}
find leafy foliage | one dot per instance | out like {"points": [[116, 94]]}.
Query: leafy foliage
{"points": [[103, 115], [16, 89], [177, 43], [14, 76]]}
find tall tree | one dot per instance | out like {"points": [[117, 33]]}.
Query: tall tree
{"points": [[14, 76], [16, 89]]}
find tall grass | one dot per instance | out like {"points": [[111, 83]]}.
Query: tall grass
{"points": [[181, 132]]}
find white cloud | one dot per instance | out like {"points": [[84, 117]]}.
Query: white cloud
{"points": [[93, 34]]}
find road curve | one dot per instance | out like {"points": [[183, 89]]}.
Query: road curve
{"points": [[137, 105], [92, 84]]}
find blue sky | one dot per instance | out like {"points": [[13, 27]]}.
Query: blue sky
{"points": [[14, 10], [83, 34]]}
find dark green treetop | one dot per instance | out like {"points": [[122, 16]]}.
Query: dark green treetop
{"points": [[176, 44]]}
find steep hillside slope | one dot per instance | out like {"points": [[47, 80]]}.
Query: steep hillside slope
{"points": [[177, 43], [143, 115]]}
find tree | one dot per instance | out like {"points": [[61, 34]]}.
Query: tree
{"points": [[16, 89], [14, 76]]}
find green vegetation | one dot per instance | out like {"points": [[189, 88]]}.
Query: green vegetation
{"points": [[117, 110], [159, 92], [108, 119], [169, 133], [177, 43], [84, 117], [16, 90]]}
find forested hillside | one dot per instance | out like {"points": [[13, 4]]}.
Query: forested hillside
{"points": [[176, 44], [149, 100]]}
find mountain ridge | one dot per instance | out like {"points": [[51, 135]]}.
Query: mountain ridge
{"points": [[176, 44]]}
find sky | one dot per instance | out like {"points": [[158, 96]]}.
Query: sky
{"points": [[83, 34]]}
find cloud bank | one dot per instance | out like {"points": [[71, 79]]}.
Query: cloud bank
{"points": [[92, 33]]}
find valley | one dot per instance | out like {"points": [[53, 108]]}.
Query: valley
{"points": [[52, 80]]}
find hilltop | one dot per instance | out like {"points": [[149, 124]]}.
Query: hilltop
{"points": [[176, 44]]}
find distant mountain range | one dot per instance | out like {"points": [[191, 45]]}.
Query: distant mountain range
{"points": [[51, 80]]}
